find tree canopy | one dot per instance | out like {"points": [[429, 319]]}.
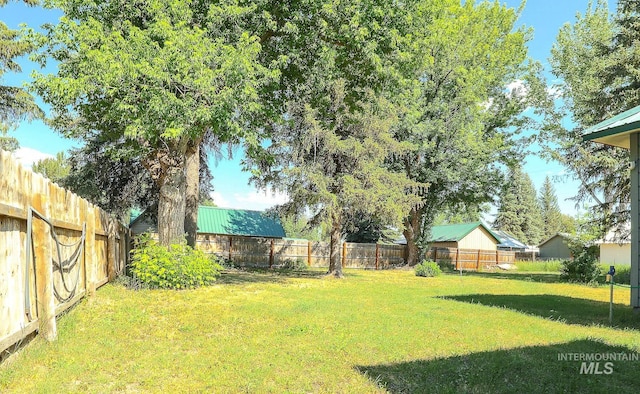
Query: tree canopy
{"points": [[596, 59], [56, 168], [154, 75], [465, 87]]}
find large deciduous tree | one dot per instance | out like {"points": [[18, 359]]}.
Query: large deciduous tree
{"points": [[466, 85], [157, 75]]}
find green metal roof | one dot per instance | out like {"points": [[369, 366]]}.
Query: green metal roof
{"points": [[456, 232], [615, 131], [212, 220]]}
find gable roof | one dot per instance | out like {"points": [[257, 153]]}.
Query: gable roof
{"points": [[615, 131], [456, 232], [213, 220], [225, 221], [561, 235], [509, 241]]}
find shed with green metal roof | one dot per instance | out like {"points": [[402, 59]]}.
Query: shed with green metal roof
{"points": [[474, 235], [225, 221]]}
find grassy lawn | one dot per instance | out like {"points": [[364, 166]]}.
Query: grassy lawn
{"points": [[374, 331]]}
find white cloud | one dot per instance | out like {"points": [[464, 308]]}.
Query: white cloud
{"points": [[28, 156], [219, 200], [258, 199], [517, 88], [554, 91]]}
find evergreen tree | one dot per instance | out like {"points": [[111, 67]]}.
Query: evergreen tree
{"points": [[15, 103], [598, 62], [519, 213], [552, 221]]}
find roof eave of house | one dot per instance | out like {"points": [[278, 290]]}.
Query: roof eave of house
{"points": [[616, 130]]}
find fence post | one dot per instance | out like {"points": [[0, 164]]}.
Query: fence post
{"points": [[478, 261], [497, 257], [271, 255], [309, 253], [344, 254], [91, 262], [44, 271], [457, 257], [112, 257], [377, 254], [230, 247]]}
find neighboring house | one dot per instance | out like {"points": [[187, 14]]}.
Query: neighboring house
{"points": [[509, 242], [556, 247], [615, 251], [223, 221], [473, 235]]}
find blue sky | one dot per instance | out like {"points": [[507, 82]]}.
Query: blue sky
{"points": [[231, 184]]}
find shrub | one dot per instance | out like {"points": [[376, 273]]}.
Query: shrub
{"points": [[428, 268], [178, 267], [583, 267], [295, 265], [227, 263], [446, 266]]}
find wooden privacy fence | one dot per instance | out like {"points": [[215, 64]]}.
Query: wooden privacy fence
{"points": [[55, 247], [471, 259], [273, 252]]}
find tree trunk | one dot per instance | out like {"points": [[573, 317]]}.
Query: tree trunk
{"points": [[335, 262], [171, 205], [192, 189], [411, 233]]}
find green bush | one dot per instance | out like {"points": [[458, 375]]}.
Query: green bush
{"points": [[583, 267], [227, 263], [179, 267], [428, 268], [446, 266], [294, 265]]}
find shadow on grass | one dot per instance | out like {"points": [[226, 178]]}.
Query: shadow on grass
{"points": [[535, 369], [526, 276], [561, 308], [259, 275]]}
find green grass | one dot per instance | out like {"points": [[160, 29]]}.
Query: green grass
{"points": [[539, 266], [374, 331]]}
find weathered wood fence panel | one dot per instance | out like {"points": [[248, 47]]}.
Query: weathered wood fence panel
{"points": [[471, 259], [274, 253], [54, 248]]}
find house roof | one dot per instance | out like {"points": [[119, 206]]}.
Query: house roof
{"points": [[456, 232], [213, 220], [561, 235], [509, 241], [615, 131]]}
